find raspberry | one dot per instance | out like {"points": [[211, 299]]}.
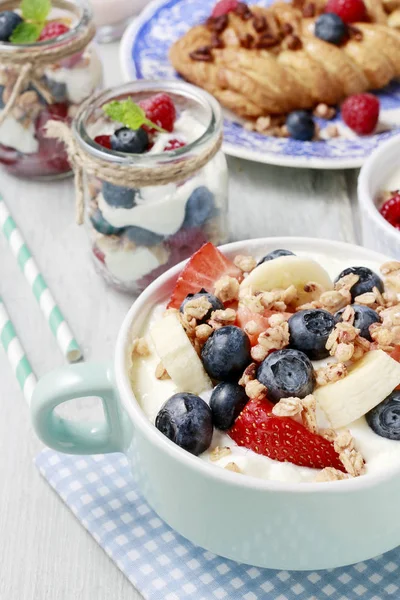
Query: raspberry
{"points": [[350, 11], [361, 113], [223, 7], [160, 110], [391, 210], [103, 140], [174, 145], [52, 30]]}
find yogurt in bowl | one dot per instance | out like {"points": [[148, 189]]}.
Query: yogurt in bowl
{"points": [[281, 524], [261, 344]]}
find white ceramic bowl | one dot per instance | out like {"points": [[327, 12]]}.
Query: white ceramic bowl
{"points": [[377, 233], [274, 524]]}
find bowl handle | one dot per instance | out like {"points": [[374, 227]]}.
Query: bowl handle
{"points": [[79, 381]]}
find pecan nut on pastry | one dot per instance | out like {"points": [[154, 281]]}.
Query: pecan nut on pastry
{"points": [[268, 61]]}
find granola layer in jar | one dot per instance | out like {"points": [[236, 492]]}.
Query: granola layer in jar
{"points": [[41, 80]]}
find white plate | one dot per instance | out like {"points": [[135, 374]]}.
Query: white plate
{"points": [[144, 55]]}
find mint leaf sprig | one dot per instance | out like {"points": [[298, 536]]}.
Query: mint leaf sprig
{"points": [[34, 13], [129, 114]]}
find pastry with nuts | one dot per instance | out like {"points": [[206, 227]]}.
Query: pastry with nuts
{"points": [[293, 375], [275, 66]]}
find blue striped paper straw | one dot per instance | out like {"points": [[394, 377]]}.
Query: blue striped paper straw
{"points": [[16, 355], [39, 287]]}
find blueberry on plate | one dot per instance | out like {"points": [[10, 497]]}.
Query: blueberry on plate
{"points": [[287, 373], [8, 22], [384, 419], [102, 226], [309, 331], [143, 237], [118, 196], [186, 420], [199, 207], [364, 318], [366, 282], [215, 302], [131, 141], [226, 403], [275, 254], [300, 125], [330, 28], [226, 353]]}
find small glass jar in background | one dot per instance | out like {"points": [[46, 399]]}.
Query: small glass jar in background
{"points": [[25, 150], [137, 234], [112, 16]]}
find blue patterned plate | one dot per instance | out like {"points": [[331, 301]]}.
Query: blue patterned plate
{"points": [[144, 55]]}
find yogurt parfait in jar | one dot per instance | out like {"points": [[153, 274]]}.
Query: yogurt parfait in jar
{"points": [[156, 181], [47, 69]]}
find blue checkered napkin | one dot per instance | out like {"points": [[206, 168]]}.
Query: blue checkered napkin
{"points": [[164, 566]]}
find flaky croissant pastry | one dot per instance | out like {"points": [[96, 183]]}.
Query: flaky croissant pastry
{"points": [[265, 61]]}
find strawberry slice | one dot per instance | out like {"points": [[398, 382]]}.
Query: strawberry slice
{"points": [[203, 270], [282, 438], [244, 315]]}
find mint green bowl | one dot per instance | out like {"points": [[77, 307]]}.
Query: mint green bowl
{"points": [[272, 524]]}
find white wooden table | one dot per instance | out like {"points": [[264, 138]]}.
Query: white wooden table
{"points": [[44, 553]]}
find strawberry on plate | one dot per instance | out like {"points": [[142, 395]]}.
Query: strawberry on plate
{"points": [[203, 270], [282, 438]]}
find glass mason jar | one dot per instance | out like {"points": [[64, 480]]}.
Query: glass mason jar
{"points": [[53, 90], [138, 232]]}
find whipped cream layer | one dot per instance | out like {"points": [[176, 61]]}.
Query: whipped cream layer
{"points": [[161, 209], [151, 393]]}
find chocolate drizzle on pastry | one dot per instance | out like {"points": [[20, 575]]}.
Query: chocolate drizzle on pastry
{"points": [[293, 42], [267, 40], [202, 54], [247, 40], [243, 11], [309, 10], [260, 23], [217, 24]]}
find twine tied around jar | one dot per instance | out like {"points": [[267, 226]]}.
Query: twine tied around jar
{"points": [[28, 61], [125, 175]]}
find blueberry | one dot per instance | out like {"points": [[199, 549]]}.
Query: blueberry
{"points": [[186, 420], [309, 331], [215, 302], [143, 237], [367, 280], [226, 353], [132, 141], [118, 196], [300, 125], [58, 89], [384, 419], [8, 22], [100, 224], [364, 318], [287, 373], [199, 207], [227, 402], [275, 254], [330, 28]]}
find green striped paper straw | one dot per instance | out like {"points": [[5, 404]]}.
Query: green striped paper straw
{"points": [[16, 355], [42, 293]]}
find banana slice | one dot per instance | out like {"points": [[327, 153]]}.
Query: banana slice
{"points": [[368, 383], [178, 356], [285, 271]]}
